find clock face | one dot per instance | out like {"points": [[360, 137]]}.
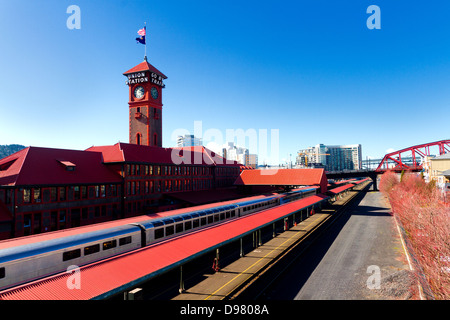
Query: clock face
{"points": [[154, 93], [139, 92]]}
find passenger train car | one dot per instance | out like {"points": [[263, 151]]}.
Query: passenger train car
{"points": [[43, 256]]}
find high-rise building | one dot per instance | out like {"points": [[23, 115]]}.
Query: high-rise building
{"points": [[188, 140], [331, 157], [251, 160], [236, 153]]}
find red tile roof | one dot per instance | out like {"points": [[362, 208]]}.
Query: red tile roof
{"points": [[284, 177], [145, 66], [125, 152], [46, 166]]}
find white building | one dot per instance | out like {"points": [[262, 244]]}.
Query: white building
{"points": [[236, 153], [332, 157], [188, 140]]}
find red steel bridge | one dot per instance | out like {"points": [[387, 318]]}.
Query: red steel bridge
{"points": [[393, 160], [408, 159]]}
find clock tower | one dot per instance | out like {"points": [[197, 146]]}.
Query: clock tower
{"points": [[145, 84]]}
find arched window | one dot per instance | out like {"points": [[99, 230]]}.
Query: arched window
{"points": [[138, 138]]}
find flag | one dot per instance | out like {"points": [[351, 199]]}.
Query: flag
{"points": [[141, 32], [141, 39]]}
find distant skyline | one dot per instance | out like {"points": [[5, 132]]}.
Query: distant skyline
{"points": [[312, 71]]}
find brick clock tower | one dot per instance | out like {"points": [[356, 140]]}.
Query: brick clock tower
{"points": [[145, 84]]}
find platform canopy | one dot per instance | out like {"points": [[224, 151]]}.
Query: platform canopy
{"points": [[283, 177]]}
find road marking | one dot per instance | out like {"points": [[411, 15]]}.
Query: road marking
{"points": [[407, 257]]}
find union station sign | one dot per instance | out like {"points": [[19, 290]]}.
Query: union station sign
{"points": [[140, 77]]}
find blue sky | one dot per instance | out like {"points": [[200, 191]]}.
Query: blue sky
{"points": [[310, 69]]}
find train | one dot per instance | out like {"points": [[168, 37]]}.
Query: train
{"points": [[43, 255]]}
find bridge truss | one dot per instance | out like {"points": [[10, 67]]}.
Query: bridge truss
{"points": [[393, 160]]}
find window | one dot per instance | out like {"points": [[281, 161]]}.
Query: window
{"points": [[26, 195], [27, 224], [124, 241], [62, 193], [169, 230], [159, 233], [109, 244], [62, 219], [113, 189], [37, 195], [76, 192], [138, 139], [196, 223], [84, 194], [179, 228], [92, 249], [2, 273], [54, 220], [188, 225], [73, 254], [53, 194]]}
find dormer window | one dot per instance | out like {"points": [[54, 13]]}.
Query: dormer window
{"points": [[5, 166], [69, 165]]}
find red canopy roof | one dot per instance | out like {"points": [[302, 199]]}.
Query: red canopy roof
{"points": [[283, 177], [341, 188], [46, 166]]}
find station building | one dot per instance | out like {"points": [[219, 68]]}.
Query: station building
{"points": [[45, 189]]}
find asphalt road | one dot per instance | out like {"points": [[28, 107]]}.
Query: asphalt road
{"points": [[362, 242]]}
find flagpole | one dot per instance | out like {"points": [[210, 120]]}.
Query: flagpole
{"points": [[145, 28]]}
